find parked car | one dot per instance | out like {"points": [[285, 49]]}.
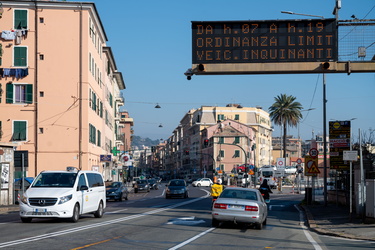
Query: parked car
{"points": [[117, 191], [204, 182], [141, 185], [154, 184], [177, 188], [240, 205]]}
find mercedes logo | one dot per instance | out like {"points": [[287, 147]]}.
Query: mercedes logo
{"points": [[42, 202]]}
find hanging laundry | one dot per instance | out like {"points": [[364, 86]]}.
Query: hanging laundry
{"points": [[8, 35], [18, 36], [6, 72]]}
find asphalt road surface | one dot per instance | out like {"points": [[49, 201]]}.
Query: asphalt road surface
{"points": [[149, 221]]}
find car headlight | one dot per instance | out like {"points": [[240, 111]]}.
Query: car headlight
{"points": [[23, 199], [65, 199]]}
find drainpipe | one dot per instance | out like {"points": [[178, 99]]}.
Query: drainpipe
{"points": [[80, 92], [36, 90]]}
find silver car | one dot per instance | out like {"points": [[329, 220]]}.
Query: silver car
{"points": [[240, 205]]}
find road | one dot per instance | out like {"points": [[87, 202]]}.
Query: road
{"points": [[149, 221]]}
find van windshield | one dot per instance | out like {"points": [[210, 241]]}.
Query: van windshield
{"points": [[55, 180], [267, 173]]}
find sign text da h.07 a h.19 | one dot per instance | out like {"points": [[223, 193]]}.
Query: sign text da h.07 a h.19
{"points": [[310, 40]]}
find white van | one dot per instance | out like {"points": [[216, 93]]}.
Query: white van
{"points": [[64, 194]]}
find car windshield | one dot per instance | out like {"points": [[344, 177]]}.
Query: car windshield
{"points": [[114, 185], [142, 182], [239, 194], [199, 179], [177, 183], [55, 180], [151, 181]]}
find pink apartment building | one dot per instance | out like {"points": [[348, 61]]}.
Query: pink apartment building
{"points": [[60, 88]]}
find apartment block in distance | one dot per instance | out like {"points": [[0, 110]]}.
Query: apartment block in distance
{"points": [[60, 88]]}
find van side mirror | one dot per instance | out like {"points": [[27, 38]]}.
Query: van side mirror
{"points": [[83, 187]]}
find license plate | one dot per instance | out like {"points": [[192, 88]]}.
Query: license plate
{"points": [[235, 206], [40, 210]]}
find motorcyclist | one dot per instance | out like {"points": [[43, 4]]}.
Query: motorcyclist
{"points": [[265, 189], [216, 189]]}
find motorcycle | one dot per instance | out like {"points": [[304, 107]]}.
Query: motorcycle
{"points": [[265, 193]]}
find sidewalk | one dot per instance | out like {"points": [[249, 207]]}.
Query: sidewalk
{"points": [[335, 220]]}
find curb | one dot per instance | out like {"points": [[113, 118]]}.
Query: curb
{"points": [[315, 228]]}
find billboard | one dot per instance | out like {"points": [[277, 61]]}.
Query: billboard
{"points": [[266, 41], [339, 141]]}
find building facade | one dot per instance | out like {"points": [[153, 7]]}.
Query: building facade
{"points": [[186, 143], [60, 95]]}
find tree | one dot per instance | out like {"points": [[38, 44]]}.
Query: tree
{"points": [[286, 111]]}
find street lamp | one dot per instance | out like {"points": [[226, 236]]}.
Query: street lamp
{"points": [[293, 13]]}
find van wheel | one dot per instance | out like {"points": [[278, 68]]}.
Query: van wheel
{"points": [[99, 213], [75, 216], [26, 219]]}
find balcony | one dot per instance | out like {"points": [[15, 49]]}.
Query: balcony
{"points": [[127, 120]]}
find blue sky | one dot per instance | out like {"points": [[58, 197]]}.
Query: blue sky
{"points": [[151, 42]]}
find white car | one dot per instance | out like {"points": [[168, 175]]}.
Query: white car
{"points": [[64, 194], [202, 182]]}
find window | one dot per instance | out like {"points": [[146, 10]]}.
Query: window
{"points": [[236, 139], [95, 180], [220, 117], [236, 117], [19, 93], [236, 153], [20, 19], [92, 134], [221, 153], [19, 131], [20, 56], [221, 139], [99, 142], [93, 101]]}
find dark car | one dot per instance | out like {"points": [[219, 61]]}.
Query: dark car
{"points": [[117, 191], [154, 184], [141, 185], [177, 188]]}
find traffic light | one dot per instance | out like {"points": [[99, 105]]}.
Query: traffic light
{"points": [[325, 65], [205, 142], [186, 152]]}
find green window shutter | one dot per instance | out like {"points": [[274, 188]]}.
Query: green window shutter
{"points": [[29, 93], [19, 131], [101, 109], [110, 99], [236, 153], [9, 94], [99, 139], [20, 19], [20, 56]]}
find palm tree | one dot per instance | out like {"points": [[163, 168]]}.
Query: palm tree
{"points": [[286, 111]]}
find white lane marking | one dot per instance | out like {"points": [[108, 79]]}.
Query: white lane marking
{"points": [[115, 212], [192, 239], [306, 231], [105, 223]]}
